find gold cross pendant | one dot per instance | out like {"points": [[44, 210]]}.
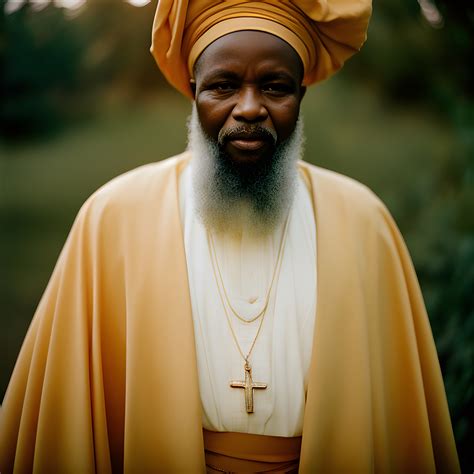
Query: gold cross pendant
{"points": [[248, 385]]}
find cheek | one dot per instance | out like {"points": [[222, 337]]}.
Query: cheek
{"points": [[284, 118], [212, 115]]}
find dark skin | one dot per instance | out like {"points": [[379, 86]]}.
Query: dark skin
{"points": [[247, 87]]}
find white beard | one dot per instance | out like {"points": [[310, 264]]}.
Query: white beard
{"points": [[229, 201]]}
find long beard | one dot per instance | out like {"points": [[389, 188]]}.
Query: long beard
{"points": [[230, 198]]}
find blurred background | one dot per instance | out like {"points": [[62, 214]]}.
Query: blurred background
{"points": [[81, 101]]}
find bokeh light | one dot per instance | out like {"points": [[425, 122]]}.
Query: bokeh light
{"points": [[12, 6]]}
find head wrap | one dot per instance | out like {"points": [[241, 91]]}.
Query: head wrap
{"points": [[324, 33]]}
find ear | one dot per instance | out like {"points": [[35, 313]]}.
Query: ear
{"points": [[192, 84]]}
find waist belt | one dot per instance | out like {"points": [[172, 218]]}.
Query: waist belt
{"points": [[242, 452]]}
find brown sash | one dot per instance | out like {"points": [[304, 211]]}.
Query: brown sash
{"points": [[241, 452]]}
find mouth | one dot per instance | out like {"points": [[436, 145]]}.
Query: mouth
{"points": [[249, 145]]}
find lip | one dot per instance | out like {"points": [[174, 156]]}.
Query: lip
{"points": [[248, 144]]}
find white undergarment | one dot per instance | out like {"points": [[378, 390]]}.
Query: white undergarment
{"points": [[282, 353]]}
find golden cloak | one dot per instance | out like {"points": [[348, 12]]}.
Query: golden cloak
{"points": [[107, 381]]}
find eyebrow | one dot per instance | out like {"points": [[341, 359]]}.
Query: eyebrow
{"points": [[272, 76], [222, 73]]}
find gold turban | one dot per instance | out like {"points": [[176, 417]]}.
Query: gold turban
{"points": [[324, 33]]}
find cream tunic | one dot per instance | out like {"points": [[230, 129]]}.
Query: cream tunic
{"points": [[282, 353]]}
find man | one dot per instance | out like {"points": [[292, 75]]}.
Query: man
{"points": [[233, 309]]}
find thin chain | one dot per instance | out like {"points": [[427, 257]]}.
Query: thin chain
{"points": [[229, 322], [221, 280]]}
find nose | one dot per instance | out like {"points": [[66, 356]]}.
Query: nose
{"points": [[249, 106]]}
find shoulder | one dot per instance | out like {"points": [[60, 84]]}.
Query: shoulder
{"points": [[348, 204], [339, 185], [138, 189], [335, 189], [140, 182], [137, 196]]}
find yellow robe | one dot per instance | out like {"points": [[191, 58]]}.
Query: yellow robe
{"points": [[107, 381]]}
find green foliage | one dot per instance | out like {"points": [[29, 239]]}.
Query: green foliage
{"points": [[59, 69], [414, 65], [451, 307], [41, 56]]}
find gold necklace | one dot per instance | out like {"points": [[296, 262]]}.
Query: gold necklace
{"points": [[247, 384], [220, 283]]}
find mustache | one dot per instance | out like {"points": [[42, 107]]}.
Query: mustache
{"points": [[256, 132]]}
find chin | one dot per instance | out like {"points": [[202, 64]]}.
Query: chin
{"points": [[249, 162]]}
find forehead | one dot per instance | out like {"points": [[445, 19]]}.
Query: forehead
{"points": [[243, 50]]}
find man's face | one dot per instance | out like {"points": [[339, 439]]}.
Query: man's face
{"points": [[248, 93]]}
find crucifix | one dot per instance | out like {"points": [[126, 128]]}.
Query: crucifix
{"points": [[248, 385]]}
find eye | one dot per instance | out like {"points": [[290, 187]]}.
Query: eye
{"points": [[278, 88], [223, 86]]}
